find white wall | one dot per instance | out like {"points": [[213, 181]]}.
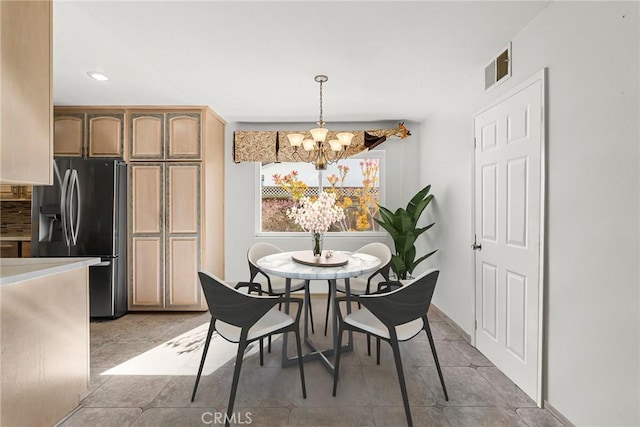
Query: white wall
{"points": [[592, 273], [401, 165], [446, 156]]}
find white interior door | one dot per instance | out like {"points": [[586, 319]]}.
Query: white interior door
{"points": [[509, 185]]}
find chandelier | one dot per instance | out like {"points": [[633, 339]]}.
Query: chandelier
{"points": [[315, 149]]}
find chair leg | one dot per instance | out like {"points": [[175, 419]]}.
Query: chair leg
{"points": [[368, 345], [403, 385], [336, 370], [204, 356], [427, 328], [261, 352], [377, 350], [242, 345], [326, 316], [299, 346]]}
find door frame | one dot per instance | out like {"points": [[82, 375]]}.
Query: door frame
{"points": [[538, 76]]}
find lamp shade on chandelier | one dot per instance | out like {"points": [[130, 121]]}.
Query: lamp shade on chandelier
{"points": [[318, 150]]}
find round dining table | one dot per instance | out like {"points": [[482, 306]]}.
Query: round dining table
{"points": [[330, 266]]}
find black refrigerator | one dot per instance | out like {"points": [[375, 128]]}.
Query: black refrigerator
{"points": [[84, 214]]}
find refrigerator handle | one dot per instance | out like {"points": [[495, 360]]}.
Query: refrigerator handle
{"points": [[74, 214], [64, 206]]}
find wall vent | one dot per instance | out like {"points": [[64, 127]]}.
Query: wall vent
{"points": [[499, 69]]}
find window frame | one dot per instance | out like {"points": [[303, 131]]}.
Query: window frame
{"points": [[375, 154]]}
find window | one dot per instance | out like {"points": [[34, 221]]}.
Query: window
{"points": [[355, 181]]}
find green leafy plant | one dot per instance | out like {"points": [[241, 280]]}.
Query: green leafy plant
{"points": [[402, 225]]}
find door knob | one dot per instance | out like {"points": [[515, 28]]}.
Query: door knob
{"points": [[476, 246]]}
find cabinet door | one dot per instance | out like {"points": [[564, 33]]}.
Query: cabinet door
{"points": [[9, 249], [146, 274], [146, 219], [26, 107], [183, 260], [147, 136], [147, 188], [106, 135], [183, 235], [183, 136], [7, 192], [68, 135]]}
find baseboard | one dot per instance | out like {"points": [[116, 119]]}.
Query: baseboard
{"points": [[546, 405], [467, 337], [451, 323]]}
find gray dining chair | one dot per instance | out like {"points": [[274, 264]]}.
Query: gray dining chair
{"points": [[394, 316], [243, 318]]}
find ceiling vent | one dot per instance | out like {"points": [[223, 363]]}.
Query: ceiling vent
{"points": [[499, 69]]}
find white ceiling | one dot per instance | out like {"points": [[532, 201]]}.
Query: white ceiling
{"points": [[255, 61]]}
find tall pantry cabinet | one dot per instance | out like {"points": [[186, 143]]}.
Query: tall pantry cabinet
{"points": [[176, 177]]}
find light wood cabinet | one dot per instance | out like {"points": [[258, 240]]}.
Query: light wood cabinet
{"points": [[83, 131], [68, 135], [183, 235], [147, 136], [7, 192], [26, 116], [9, 249], [146, 272], [176, 216], [165, 236], [45, 347], [183, 130], [15, 192], [105, 135], [161, 135]]}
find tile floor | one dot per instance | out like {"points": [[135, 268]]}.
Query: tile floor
{"points": [[368, 394]]}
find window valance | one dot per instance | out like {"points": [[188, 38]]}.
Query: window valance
{"points": [[273, 146]]}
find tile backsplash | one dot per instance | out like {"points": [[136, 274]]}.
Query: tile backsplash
{"points": [[15, 217]]}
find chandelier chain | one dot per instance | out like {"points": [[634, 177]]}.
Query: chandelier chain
{"points": [[321, 122]]}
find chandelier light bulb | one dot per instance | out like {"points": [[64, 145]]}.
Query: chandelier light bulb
{"points": [[335, 145], [319, 134], [295, 139], [345, 138]]}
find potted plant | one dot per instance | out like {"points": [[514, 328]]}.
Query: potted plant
{"points": [[402, 225]]}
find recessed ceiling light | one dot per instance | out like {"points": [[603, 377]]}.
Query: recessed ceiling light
{"points": [[97, 76]]}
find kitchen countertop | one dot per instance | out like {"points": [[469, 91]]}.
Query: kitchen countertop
{"points": [[15, 237], [13, 270]]}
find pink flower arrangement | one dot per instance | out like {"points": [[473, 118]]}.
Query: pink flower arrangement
{"points": [[316, 216]]}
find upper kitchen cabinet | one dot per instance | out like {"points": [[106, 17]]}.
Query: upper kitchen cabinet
{"points": [[68, 134], [105, 134], [165, 135], [19, 193], [79, 131], [147, 136], [183, 136], [26, 143]]}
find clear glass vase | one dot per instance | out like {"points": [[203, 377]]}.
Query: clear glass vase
{"points": [[316, 243]]}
